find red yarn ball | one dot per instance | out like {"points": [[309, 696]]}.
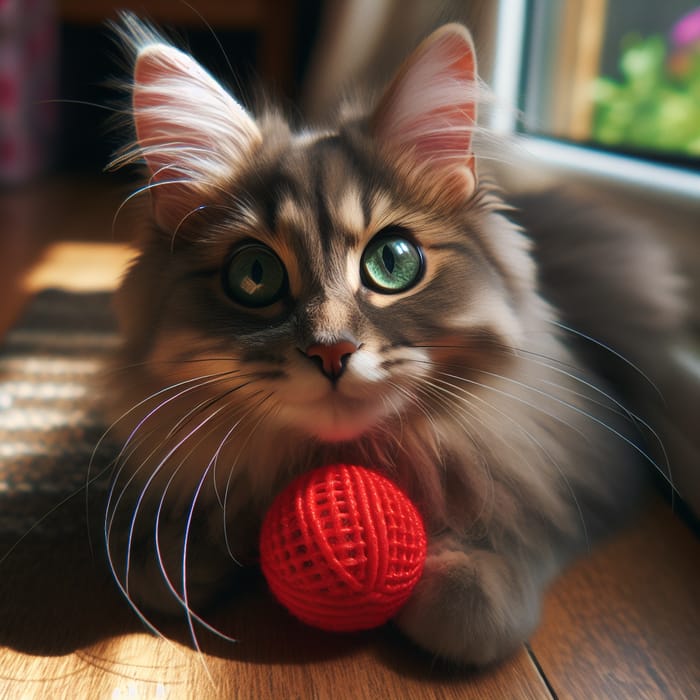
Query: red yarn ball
{"points": [[342, 547]]}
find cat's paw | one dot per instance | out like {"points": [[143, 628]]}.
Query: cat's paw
{"points": [[471, 607]]}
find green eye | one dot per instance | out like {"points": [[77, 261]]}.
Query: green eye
{"points": [[391, 264], [254, 276]]}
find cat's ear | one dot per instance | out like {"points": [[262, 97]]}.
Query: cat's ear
{"points": [[427, 115], [193, 135]]}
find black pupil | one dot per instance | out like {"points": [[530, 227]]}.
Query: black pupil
{"points": [[254, 276], [256, 272], [388, 258]]}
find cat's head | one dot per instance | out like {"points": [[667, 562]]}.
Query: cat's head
{"points": [[342, 277]]}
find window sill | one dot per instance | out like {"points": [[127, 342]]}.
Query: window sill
{"points": [[630, 173]]}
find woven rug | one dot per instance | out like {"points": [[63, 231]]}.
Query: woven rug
{"points": [[51, 365]]}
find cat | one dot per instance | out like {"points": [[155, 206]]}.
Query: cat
{"points": [[361, 293]]}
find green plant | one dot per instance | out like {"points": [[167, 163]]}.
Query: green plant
{"points": [[656, 105]]}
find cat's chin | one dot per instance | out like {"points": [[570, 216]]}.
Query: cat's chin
{"points": [[337, 430], [334, 423], [338, 434]]}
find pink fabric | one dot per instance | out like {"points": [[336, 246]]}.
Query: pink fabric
{"points": [[28, 58]]}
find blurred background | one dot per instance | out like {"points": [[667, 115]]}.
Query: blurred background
{"points": [[621, 76]]}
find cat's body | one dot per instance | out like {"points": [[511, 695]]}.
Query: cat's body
{"points": [[356, 295]]}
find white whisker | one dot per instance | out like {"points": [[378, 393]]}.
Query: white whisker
{"points": [[530, 436], [113, 503], [589, 416], [612, 351], [243, 445]]}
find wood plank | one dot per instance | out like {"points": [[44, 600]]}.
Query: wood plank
{"points": [[625, 622], [66, 632]]}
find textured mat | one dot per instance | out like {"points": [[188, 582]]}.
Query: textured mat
{"points": [[51, 367]]}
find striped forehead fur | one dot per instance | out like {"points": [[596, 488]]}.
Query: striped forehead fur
{"points": [[358, 203]]}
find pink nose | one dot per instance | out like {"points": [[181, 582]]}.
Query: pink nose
{"points": [[333, 357]]}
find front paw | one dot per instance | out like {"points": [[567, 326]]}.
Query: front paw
{"points": [[471, 606]]}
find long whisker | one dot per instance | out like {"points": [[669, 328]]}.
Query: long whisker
{"points": [[530, 436], [159, 510], [148, 483], [159, 554], [124, 415], [177, 445], [591, 417], [612, 351], [190, 384], [113, 504], [198, 384], [564, 403], [415, 401], [552, 364], [252, 431], [517, 398], [188, 525], [635, 418], [207, 403], [181, 599], [124, 586]]}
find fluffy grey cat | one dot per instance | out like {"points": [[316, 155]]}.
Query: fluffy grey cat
{"points": [[359, 294]]}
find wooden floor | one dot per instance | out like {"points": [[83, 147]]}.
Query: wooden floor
{"points": [[622, 623]]}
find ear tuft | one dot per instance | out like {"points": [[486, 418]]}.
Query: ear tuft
{"points": [[192, 134], [428, 113]]}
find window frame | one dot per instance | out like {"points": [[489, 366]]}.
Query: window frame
{"points": [[508, 81]]}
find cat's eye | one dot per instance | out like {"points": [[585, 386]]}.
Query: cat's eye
{"points": [[254, 276], [391, 264]]}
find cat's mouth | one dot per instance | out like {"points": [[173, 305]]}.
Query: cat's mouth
{"points": [[336, 417], [360, 399], [340, 418]]}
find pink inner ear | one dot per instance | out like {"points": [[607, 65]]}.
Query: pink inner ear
{"points": [[192, 133], [148, 70], [462, 112], [430, 108], [155, 127]]}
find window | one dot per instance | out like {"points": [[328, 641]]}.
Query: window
{"points": [[622, 76]]}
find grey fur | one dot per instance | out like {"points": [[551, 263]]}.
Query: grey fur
{"points": [[466, 390]]}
